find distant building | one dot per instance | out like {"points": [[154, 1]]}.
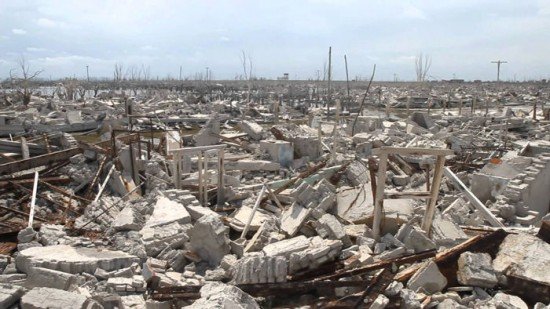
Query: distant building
{"points": [[285, 77]]}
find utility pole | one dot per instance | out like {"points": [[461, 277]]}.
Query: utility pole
{"points": [[87, 74], [329, 73], [347, 83], [180, 72], [206, 74], [498, 62]]}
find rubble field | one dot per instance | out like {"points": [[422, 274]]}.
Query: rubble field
{"points": [[281, 195]]}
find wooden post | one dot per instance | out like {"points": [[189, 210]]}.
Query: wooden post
{"points": [[335, 132], [535, 110], [24, 148], [206, 178], [258, 200], [177, 170], [434, 192], [379, 200], [348, 99], [329, 76], [408, 106], [486, 106], [221, 183], [474, 201], [474, 103], [33, 199], [460, 107], [320, 133], [104, 184], [200, 176]]}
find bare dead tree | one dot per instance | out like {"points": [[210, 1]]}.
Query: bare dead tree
{"points": [[243, 60], [23, 84], [422, 65], [146, 72], [247, 75], [363, 101], [117, 73]]}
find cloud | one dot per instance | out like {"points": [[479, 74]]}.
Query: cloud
{"points": [[225, 39], [18, 31], [48, 23], [148, 48], [410, 11], [36, 49]]}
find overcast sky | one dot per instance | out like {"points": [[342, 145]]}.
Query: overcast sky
{"points": [[462, 37]]}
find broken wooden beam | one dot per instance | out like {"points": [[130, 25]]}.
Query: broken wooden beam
{"points": [[544, 231], [29, 181], [46, 159], [381, 264], [450, 256], [487, 215]]}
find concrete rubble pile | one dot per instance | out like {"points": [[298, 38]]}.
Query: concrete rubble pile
{"points": [[179, 200]]}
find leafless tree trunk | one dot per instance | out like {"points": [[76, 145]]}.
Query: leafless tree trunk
{"points": [[247, 75], [117, 73], [422, 64], [23, 83]]}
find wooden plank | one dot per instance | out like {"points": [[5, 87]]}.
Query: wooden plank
{"points": [[407, 195], [189, 150], [430, 210], [33, 197], [379, 201], [27, 181], [411, 151], [24, 148], [25, 164], [487, 215]]}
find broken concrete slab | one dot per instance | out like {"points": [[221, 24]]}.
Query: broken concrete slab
{"points": [[127, 220], [287, 246], [220, 295], [209, 238], [240, 217], [72, 260], [281, 152], [48, 298], [43, 277], [252, 165], [293, 218], [157, 238], [428, 279], [260, 269], [475, 269], [167, 211], [10, 295], [527, 253], [254, 130]]}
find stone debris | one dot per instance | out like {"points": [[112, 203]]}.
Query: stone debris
{"points": [[475, 269], [72, 260], [221, 202], [209, 239], [428, 279], [42, 298], [219, 295]]}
